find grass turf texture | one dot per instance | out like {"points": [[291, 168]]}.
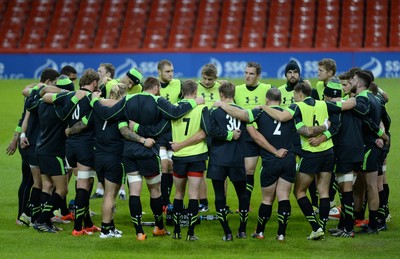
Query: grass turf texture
{"points": [[22, 242]]}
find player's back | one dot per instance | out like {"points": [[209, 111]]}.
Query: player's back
{"points": [[223, 152]]}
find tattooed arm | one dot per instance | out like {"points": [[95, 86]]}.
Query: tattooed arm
{"points": [[132, 136]]}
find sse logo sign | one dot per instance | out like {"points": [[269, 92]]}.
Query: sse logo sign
{"points": [[392, 68]]}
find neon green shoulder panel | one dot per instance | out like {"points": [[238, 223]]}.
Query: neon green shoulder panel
{"points": [[320, 89]]}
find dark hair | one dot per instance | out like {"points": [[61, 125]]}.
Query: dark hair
{"points": [[227, 89], [256, 66], [371, 74], [329, 64], [209, 70], [150, 83], [304, 88], [352, 71], [89, 75], [109, 68], [189, 87], [344, 76], [162, 63], [67, 70], [373, 87], [365, 77], [48, 74], [273, 94]]}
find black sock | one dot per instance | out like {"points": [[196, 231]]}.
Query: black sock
{"points": [[47, 212], [64, 208], [204, 201], [135, 207], [177, 210], [324, 207], [86, 218], [106, 227], [264, 214], [79, 208], [24, 189], [307, 209], [348, 207], [249, 186], [193, 211], [386, 189], [220, 205], [382, 207], [35, 203], [284, 210], [156, 207], [373, 219]]}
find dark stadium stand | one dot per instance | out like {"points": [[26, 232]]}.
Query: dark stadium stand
{"points": [[30, 25]]}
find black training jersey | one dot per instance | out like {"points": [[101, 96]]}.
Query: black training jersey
{"points": [[368, 107], [348, 142], [277, 133], [108, 137], [82, 109], [223, 152], [145, 109], [32, 104], [53, 122]]}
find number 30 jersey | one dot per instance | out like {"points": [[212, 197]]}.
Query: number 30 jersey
{"points": [[224, 152]]}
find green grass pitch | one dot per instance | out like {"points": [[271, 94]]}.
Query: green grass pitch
{"points": [[21, 242]]}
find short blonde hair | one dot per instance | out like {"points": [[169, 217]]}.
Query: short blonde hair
{"points": [[118, 91]]}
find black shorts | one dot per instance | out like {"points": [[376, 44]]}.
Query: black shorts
{"points": [[109, 167], [276, 168], [252, 149], [345, 168], [317, 164], [33, 160], [372, 159], [147, 167], [216, 172], [83, 155], [51, 165], [182, 169], [164, 139]]}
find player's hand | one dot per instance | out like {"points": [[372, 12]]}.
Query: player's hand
{"points": [[281, 153], [236, 134], [12, 147], [80, 94], [67, 132], [199, 100], [218, 104], [149, 142], [176, 146], [315, 141], [24, 142], [96, 95], [379, 142], [131, 124]]}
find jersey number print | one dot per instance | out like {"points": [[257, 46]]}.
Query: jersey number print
{"points": [[234, 123]]}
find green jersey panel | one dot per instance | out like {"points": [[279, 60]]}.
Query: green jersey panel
{"points": [[251, 99], [210, 95], [320, 89], [172, 91], [287, 98], [314, 116], [186, 127]]}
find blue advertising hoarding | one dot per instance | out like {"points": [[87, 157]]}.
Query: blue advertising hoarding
{"points": [[188, 65]]}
